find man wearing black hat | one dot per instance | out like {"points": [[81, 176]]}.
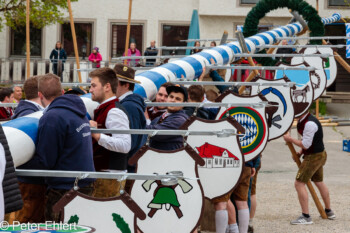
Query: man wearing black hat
{"points": [[134, 105], [172, 119]]}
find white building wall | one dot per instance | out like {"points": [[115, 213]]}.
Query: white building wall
{"points": [[216, 16]]}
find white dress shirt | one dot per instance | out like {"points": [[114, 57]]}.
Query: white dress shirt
{"points": [[309, 132], [124, 95], [116, 119]]}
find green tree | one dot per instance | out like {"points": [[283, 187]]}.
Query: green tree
{"points": [[42, 12]]}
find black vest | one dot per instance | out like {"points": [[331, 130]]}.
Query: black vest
{"points": [[12, 194], [317, 142]]}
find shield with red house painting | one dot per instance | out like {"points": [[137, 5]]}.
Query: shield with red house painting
{"points": [[222, 155]]}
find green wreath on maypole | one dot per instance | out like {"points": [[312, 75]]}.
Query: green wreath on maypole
{"points": [[309, 13]]}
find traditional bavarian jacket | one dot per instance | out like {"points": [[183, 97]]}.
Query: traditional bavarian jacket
{"points": [[111, 152], [311, 130]]}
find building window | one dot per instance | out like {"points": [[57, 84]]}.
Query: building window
{"points": [[18, 41], [338, 3], [249, 1], [171, 36], [119, 35], [83, 33]]}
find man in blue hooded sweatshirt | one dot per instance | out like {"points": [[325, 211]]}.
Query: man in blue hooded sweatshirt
{"points": [[134, 104], [64, 141]]}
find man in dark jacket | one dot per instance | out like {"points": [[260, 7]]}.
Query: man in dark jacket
{"points": [[64, 141], [32, 188], [172, 119], [161, 97], [32, 102], [151, 51], [134, 105], [196, 95]]}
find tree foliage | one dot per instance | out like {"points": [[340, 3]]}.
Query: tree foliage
{"points": [[42, 12]]}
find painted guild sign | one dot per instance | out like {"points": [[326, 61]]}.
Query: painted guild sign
{"points": [[222, 155], [170, 207], [114, 214], [318, 77], [252, 119], [303, 95], [281, 115]]}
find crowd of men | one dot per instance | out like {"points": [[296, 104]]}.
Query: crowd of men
{"points": [[65, 141]]}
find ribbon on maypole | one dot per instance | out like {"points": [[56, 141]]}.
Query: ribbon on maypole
{"points": [[347, 26]]}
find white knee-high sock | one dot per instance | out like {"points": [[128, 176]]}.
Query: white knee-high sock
{"points": [[243, 220], [221, 221]]}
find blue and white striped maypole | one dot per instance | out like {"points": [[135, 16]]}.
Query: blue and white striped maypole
{"points": [[192, 66], [21, 133]]}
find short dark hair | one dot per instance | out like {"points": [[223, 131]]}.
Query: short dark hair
{"points": [[5, 92], [213, 42], [106, 75], [196, 93], [167, 84], [131, 85], [50, 86], [30, 87]]}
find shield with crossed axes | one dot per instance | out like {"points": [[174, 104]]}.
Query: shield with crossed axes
{"points": [[175, 207], [253, 119], [223, 156], [303, 95], [281, 116]]}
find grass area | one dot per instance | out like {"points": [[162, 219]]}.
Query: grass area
{"points": [[322, 108]]}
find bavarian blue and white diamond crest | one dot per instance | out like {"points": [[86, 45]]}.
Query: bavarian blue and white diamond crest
{"points": [[251, 128]]}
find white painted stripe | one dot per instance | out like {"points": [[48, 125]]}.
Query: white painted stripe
{"points": [[90, 106], [148, 85], [21, 146], [217, 55], [229, 51], [186, 67], [202, 60], [167, 74]]}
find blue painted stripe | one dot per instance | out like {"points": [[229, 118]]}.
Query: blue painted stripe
{"points": [[197, 66], [286, 30], [140, 90], [266, 40], [278, 32], [255, 41], [298, 26], [28, 125], [175, 69], [249, 49], [291, 28], [207, 56], [272, 35], [234, 48], [157, 78], [223, 53]]}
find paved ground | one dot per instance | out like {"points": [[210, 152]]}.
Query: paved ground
{"points": [[277, 198]]}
